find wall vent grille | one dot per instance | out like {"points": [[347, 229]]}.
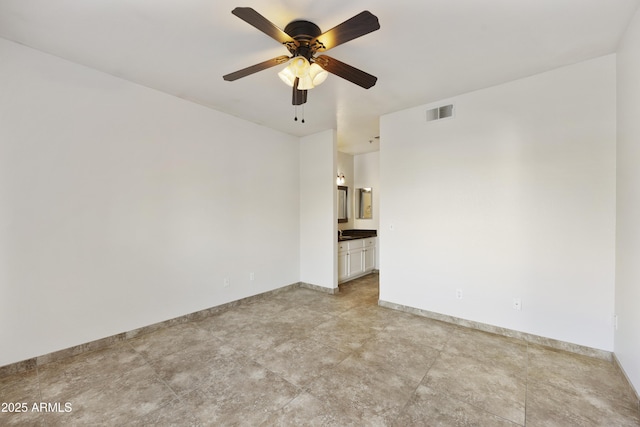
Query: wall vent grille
{"points": [[440, 113]]}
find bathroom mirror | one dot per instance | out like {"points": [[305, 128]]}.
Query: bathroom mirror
{"points": [[364, 201], [342, 204]]}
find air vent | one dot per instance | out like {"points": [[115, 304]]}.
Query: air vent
{"points": [[440, 113]]}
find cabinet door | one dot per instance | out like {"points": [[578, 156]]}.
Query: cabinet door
{"points": [[356, 264], [369, 258], [343, 266]]}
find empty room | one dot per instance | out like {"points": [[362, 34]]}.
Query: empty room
{"points": [[320, 213]]}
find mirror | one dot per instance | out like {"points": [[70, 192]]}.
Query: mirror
{"points": [[342, 203], [364, 201]]}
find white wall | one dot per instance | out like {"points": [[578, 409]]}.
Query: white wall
{"points": [[627, 337], [318, 210], [121, 206], [367, 174], [514, 197]]}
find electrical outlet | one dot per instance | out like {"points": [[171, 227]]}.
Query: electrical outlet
{"points": [[517, 304], [252, 277], [459, 293], [226, 282]]}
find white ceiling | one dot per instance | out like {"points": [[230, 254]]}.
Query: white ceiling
{"points": [[425, 51]]}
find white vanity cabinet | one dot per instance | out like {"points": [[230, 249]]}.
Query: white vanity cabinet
{"points": [[356, 258], [369, 254]]}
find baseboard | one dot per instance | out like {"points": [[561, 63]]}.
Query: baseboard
{"points": [[32, 363], [534, 339], [324, 289]]}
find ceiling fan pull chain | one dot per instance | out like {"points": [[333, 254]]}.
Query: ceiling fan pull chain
{"points": [[302, 113], [295, 113]]}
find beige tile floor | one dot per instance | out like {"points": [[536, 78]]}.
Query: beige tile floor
{"points": [[301, 357]]}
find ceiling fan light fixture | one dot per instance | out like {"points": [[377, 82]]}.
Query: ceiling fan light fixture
{"points": [[309, 75], [299, 67]]}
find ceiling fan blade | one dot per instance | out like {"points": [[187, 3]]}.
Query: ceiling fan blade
{"points": [[255, 68], [251, 17], [361, 24], [299, 96], [346, 71]]}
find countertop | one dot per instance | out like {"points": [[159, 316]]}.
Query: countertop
{"points": [[356, 234]]}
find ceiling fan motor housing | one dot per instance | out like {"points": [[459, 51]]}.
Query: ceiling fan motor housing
{"points": [[302, 32]]}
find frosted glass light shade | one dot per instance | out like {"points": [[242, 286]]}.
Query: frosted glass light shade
{"points": [[317, 74], [287, 76], [299, 66], [305, 83]]}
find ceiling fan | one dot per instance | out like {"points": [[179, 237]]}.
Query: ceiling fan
{"points": [[304, 40]]}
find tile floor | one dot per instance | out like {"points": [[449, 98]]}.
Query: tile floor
{"points": [[301, 357]]}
